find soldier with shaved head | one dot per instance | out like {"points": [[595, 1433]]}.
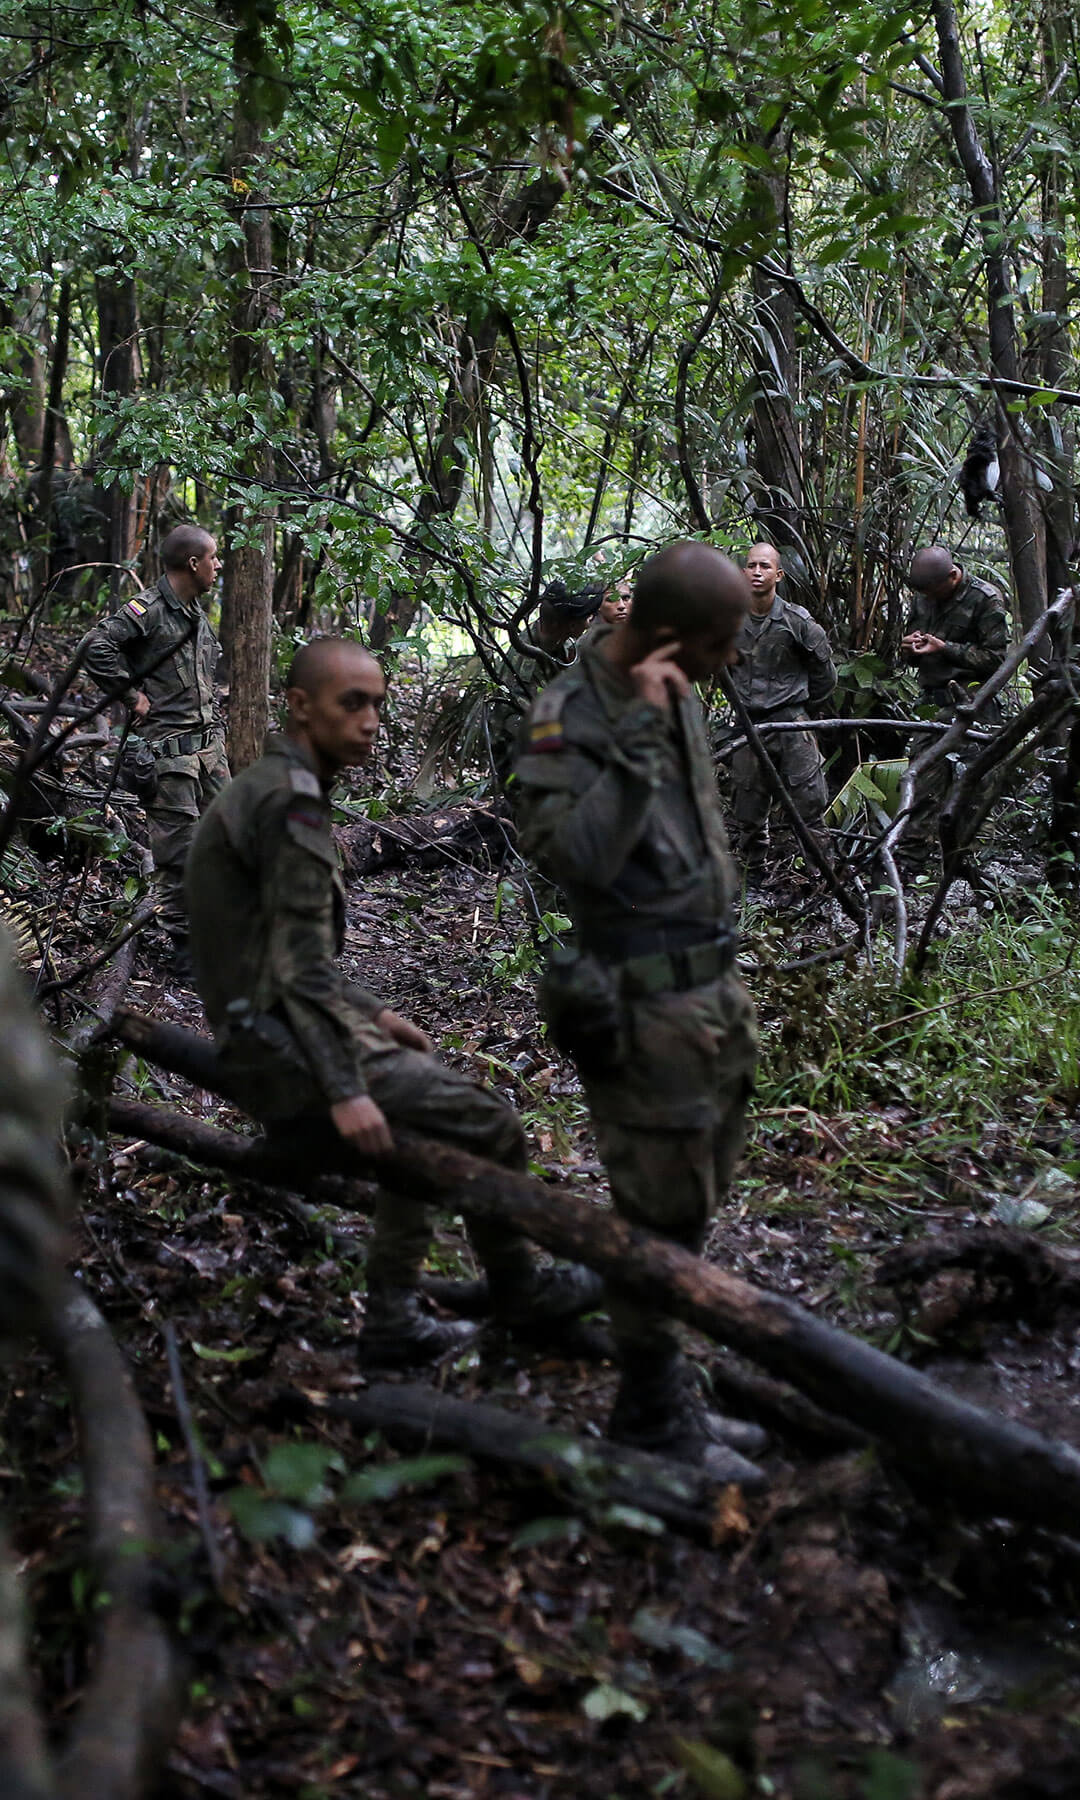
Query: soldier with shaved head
{"points": [[321, 1060], [159, 654], [617, 802], [784, 667]]}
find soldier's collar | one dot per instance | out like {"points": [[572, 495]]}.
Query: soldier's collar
{"points": [[171, 597], [279, 743]]}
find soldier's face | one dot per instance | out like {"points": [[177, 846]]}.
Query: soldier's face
{"points": [[616, 605], [206, 568], [763, 571], [340, 720]]}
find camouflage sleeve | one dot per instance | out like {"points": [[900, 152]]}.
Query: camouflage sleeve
{"points": [[821, 669], [988, 644], [582, 808], [106, 657], [298, 898], [34, 1198]]}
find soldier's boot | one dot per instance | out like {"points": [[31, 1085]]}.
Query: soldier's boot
{"points": [[399, 1334], [659, 1408], [535, 1300], [180, 962]]}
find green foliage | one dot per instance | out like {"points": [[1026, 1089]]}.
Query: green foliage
{"points": [[295, 1484], [1005, 989]]}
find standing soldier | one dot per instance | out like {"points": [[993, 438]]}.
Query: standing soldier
{"points": [[322, 1061], [618, 804], [784, 664], [958, 633], [159, 654]]}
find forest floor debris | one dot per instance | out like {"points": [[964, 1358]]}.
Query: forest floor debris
{"points": [[420, 1626]]}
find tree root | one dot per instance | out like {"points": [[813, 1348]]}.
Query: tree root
{"points": [[1015, 1274], [590, 1472], [131, 1705]]}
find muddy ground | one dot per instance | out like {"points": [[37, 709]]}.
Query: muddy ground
{"points": [[463, 1634], [393, 1626]]}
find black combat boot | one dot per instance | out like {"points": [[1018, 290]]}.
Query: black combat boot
{"points": [[180, 963], [545, 1297], [398, 1333], [659, 1408]]}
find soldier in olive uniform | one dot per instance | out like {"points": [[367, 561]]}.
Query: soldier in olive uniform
{"points": [[617, 802], [318, 1059], [159, 654], [958, 634], [784, 665], [34, 1198]]}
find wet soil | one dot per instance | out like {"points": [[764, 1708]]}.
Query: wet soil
{"points": [[469, 1635], [392, 1626]]}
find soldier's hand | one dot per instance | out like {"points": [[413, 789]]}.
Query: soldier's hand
{"points": [[658, 678], [363, 1125], [140, 706], [403, 1031]]}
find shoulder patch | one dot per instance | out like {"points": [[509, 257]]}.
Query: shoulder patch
{"points": [[545, 728], [303, 781], [136, 607]]}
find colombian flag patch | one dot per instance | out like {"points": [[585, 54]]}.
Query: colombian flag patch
{"points": [[546, 734], [136, 607]]}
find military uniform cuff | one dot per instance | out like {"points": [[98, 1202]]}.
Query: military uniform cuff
{"points": [[345, 1088]]}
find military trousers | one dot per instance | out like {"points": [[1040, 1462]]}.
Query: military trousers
{"points": [[670, 1125], [420, 1093], [797, 758], [185, 787]]}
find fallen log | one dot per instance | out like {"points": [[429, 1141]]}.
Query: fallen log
{"points": [[1015, 1275], [983, 1461], [131, 1705], [590, 1472]]}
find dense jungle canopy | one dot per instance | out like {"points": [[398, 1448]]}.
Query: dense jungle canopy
{"points": [[422, 303]]}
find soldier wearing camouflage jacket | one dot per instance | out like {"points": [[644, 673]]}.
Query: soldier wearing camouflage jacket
{"points": [[159, 655], [617, 803], [784, 668], [957, 635], [320, 1060]]}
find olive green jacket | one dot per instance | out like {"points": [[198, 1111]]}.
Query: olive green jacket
{"points": [[784, 660], [974, 624], [158, 628], [617, 803], [266, 908]]}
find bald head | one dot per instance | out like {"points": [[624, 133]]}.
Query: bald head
{"points": [[185, 543], [687, 589], [327, 659], [931, 569], [335, 695]]}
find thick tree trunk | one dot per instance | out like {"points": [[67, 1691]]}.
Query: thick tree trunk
{"points": [[988, 1463], [248, 598], [1024, 527], [118, 324], [1056, 433], [53, 419]]}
